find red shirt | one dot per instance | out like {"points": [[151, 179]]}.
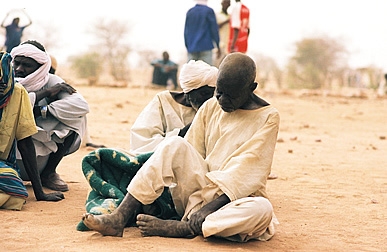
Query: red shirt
{"points": [[240, 19]]}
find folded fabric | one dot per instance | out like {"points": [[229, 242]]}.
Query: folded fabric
{"points": [[11, 184], [109, 172]]}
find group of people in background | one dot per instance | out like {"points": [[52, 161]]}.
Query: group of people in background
{"points": [[225, 31], [208, 36]]}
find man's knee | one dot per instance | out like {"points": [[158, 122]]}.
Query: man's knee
{"points": [[263, 206], [257, 209]]}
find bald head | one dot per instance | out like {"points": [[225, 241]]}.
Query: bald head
{"points": [[238, 67], [235, 84]]}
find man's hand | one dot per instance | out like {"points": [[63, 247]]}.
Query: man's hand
{"points": [[218, 53], [53, 91], [196, 220], [55, 196]]}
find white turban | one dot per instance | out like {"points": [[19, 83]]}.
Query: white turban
{"points": [[196, 74], [36, 80]]}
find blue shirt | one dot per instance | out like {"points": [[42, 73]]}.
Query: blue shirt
{"points": [[13, 36], [201, 30]]}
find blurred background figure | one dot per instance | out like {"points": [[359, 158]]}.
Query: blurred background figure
{"points": [[14, 32], [165, 72], [223, 20], [201, 32], [239, 28]]}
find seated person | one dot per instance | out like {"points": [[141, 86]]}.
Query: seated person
{"points": [[17, 125], [168, 114], [59, 111], [165, 72], [171, 113], [216, 174]]}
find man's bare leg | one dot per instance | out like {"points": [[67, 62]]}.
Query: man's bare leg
{"points": [[153, 226], [113, 224]]}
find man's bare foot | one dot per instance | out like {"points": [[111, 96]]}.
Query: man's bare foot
{"points": [[109, 224], [153, 226]]}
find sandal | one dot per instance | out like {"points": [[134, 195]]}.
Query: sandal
{"points": [[54, 182]]}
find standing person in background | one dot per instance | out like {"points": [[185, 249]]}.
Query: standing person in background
{"points": [[201, 32], [239, 28], [87, 138], [223, 20], [14, 32], [165, 72]]}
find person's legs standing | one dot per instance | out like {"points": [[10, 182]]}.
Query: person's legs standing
{"points": [[206, 56]]}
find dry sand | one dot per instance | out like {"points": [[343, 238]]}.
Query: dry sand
{"points": [[330, 194]]}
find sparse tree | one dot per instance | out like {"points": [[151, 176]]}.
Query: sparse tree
{"points": [[111, 36], [146, 57], [88, 66], [316, 62], [267, 69]]}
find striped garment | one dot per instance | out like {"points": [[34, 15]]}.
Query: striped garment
{"points": [[10, 181]]}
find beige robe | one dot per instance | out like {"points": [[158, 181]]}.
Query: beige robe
{"points": [[228, 153], [163, 117]]}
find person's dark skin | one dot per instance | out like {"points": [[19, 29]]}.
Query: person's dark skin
{"points": [[24, 66], [27, 151], [165, 59], [194, 99], [235, 90]]}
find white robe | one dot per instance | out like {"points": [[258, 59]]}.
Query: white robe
{"points": [[66, 115], [228, 153], [163, 117]]}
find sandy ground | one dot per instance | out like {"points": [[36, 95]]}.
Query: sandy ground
{"points": [[330, 194]]}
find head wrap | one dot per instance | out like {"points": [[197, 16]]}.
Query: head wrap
{"points": [[6, 76], [196, 74], [36, 80]]}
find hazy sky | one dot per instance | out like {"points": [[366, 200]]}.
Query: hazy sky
{"points": [[275, 25]]}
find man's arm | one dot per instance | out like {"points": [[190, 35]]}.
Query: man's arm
{"points": [[2, 23], [29, 19], [184, 130], [234, 39], [53, 91], [197, 218], [27, 151]]}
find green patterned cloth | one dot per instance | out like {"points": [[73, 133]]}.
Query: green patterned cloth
{"points": [[109, 171]]}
